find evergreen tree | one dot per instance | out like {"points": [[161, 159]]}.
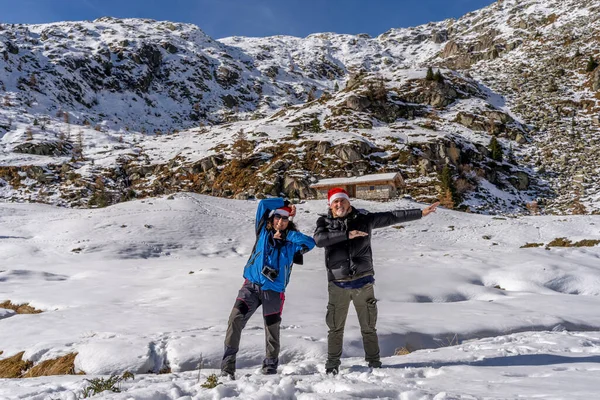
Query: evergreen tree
{"points": [[429, 76], [495, 149], [315, 125], [449, 196], [241, 147], [336, 87], [78, 148], [591, 65], [438, 77]]}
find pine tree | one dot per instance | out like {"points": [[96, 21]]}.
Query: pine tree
{"points": [[241, 147], [429, 76], [315, 125], [449, 196], [438, 77], [336, 87], [78, 148], [495, 149], [591, 65]]}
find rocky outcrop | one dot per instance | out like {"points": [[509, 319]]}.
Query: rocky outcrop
{"points": [[44, 148]]}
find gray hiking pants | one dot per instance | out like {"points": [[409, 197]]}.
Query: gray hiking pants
{"points": [[337, 311], [249, 298]]}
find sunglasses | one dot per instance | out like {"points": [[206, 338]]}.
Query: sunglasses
{"points": [[283, 217]]}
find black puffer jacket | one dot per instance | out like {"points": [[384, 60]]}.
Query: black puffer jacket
{"points": [[348, 259]]}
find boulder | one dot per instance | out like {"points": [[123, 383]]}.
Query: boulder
{"points": [[297, 187], [357, 103], [351, 152]]}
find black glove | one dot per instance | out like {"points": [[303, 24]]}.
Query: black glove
{"points": [[299, 256]]}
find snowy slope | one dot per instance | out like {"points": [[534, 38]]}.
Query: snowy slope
{"points": [[149, 284]]}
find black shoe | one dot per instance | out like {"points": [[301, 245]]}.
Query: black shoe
{"points": [[228, 374], [332, 370], [269, 366], [374, 364], [269, 370]]}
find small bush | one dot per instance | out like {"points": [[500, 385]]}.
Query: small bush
{"points": [[212, 381], [99, 385]]}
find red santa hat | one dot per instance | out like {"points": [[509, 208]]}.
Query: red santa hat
{"points": [[336, 193], [284, 211]]}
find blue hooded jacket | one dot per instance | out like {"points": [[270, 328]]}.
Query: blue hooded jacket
{"points": [[278, 255]]}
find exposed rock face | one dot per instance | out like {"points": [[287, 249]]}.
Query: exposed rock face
{"points": [[44, 148], [596, 79], [227, 76], [434, 94], [351, 152]]}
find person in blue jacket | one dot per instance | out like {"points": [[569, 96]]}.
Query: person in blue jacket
{"points": [[266, 274]]}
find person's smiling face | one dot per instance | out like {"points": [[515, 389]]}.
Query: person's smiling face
{"points": [[340, 207], [280, 223]]}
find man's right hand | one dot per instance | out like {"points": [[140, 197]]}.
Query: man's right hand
{"points": [[355, 234]]}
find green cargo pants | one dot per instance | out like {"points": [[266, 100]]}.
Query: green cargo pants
{"points": [[337, 311]]}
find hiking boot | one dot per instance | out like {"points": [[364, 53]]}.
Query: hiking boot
{"points": [[269, 370], [374, 364], [228, 374], [269, 366], [332, 371]]}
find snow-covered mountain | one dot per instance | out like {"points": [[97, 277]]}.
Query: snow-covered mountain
{"points": [[98, 112]]}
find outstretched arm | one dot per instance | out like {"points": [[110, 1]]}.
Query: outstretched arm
{"points": [[383, 219]]}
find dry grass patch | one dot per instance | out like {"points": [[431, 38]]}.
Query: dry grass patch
{"points": [[401, 351], [564, 242], [14, 367], [20, 308], [59, 366], [586, 243], [527, 245], [560, 242]]}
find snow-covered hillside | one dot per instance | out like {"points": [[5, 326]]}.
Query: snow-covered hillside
{"points": [[147, 286]]}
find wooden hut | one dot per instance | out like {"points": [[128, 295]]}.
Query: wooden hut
{"points": [[371, 187]]}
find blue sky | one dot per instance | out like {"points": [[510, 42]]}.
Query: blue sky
{"points": [[222, 18]]}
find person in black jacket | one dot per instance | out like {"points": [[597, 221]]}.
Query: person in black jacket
{"points": [[345, 233]]}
